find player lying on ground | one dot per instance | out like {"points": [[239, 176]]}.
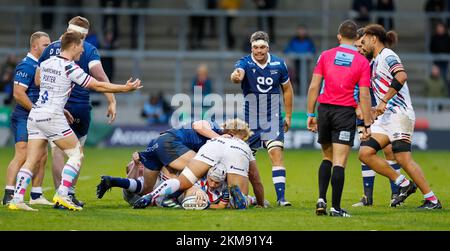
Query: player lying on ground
{"points": [[47, 122], [233, 154], [213, 186], [174, 149], [211, 191]]}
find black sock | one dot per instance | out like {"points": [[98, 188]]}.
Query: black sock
{"points": [[324, 178], [35, 195], [337, 184]]}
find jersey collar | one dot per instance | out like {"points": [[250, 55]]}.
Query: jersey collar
{"points": [[29, 55], [59, 56], [350, 47], [262, 66]]}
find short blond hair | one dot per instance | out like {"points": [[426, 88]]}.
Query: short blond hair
{"points": [[236, 127], [35, 36], [69, 38]]}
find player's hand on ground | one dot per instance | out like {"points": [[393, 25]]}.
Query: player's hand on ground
{"points": [[287, 123], [237, 76], [133, 85], [69, 117], [311, 124], [111, 113]]}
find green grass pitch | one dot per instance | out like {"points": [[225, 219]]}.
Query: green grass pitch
{"points": [[112, 213]]}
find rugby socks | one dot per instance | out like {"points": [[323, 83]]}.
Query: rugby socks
{"points": [[23, 180], [131, 185], [9, 188], [36, 192], [402, 181], [431, 197], [69, 174], [337, 184], [9, 194], [72, 189], [166, 188], [368, 181], [396, 167], [324, 178], [279, 181]]}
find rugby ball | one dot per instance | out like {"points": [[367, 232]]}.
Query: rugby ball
{"points": [[190, 203]]}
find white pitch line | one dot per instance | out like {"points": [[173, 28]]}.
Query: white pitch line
{"points": [[84, 178]]}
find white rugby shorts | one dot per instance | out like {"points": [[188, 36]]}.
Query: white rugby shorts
{"points": [[215, 153], [46, 125], [397, 126]]}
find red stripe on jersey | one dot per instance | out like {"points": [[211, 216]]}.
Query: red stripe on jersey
{"points": [[385, 82], [379, 89], [395, 68], [210, 196]]}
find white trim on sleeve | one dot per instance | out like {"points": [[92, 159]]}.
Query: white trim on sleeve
{"points": [[21, 84], [93, 63], [285, 82]]}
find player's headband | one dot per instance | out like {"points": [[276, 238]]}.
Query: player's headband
{"points": [[260, 42], [77, 28]]}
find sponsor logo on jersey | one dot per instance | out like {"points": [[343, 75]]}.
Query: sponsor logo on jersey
{"points": [[343, 59], [274, 63], [235, 168], [43, 120], [208, 158], [392, 60], [152, 148]]}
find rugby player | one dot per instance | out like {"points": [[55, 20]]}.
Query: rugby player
{"points": [[264, 78], [46, 121]]}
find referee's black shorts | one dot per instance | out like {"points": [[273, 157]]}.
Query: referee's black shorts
{"points": [[336, 124]]}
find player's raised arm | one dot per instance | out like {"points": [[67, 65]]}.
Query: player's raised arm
{"points": [[114, 88], [237, 76]]}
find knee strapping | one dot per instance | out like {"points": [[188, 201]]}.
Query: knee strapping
{"points": [[399, 146], [273, 144], [189, 175], [373, 143], [75, 155]]}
